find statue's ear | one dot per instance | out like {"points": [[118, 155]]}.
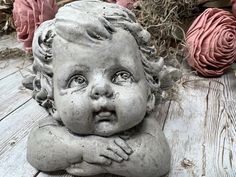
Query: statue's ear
{"points": [[151, 102]]}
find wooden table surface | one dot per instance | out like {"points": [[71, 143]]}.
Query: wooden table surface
{"points": [[199, 123]]}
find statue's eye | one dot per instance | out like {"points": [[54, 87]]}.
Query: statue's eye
{"points": [[122, 77], [77, 81]]}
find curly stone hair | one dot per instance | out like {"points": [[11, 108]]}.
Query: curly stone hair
{"points": [[91, 25]]}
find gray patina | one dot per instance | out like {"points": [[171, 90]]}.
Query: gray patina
{"points": [[100, 81]]}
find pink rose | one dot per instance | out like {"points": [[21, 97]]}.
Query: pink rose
{"points": [[28, 15], [125, 3], [211, 42]]}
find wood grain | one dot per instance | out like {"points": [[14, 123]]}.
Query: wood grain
{"points": [[11, 66], [200, 127], [14, 131], [18, 124], [14, 164], [12, 94]]}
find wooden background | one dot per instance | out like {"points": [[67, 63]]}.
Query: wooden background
{"points": [[199, 122]]}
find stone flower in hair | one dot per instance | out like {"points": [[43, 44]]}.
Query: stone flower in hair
{"points": [[28, 15], [211, 42]]}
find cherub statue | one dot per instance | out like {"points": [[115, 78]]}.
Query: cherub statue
{"points": [[100, 80]]}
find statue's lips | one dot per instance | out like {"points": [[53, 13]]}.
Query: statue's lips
{"points": [[104, 116]]}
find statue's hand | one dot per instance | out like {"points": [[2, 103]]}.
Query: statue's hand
{"points": [[105, 150], [85, 169]]}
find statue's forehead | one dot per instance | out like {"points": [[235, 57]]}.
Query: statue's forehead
{"points": [[121, 45]]}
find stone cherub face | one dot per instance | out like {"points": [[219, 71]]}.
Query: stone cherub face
{"points": [[100, 89], [95, 69]]}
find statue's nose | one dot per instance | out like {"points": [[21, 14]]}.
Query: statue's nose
{"points": [[100, 89]]}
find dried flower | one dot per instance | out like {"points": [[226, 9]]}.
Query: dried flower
{"points": [[211, 42], [28, 15]]}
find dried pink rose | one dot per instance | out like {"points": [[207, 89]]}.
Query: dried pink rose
{"points": [[28, 15], [211, 42], [129, 4]]}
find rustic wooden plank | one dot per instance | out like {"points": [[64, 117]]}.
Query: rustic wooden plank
{"points": [[13, 136], [200, 128], [220, 128], [14, 163], [182, 137], [17, 126], [9, 41], [12, 94], [11, 66]]}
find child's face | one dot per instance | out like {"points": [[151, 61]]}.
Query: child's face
{"points": [[100, 89]]}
